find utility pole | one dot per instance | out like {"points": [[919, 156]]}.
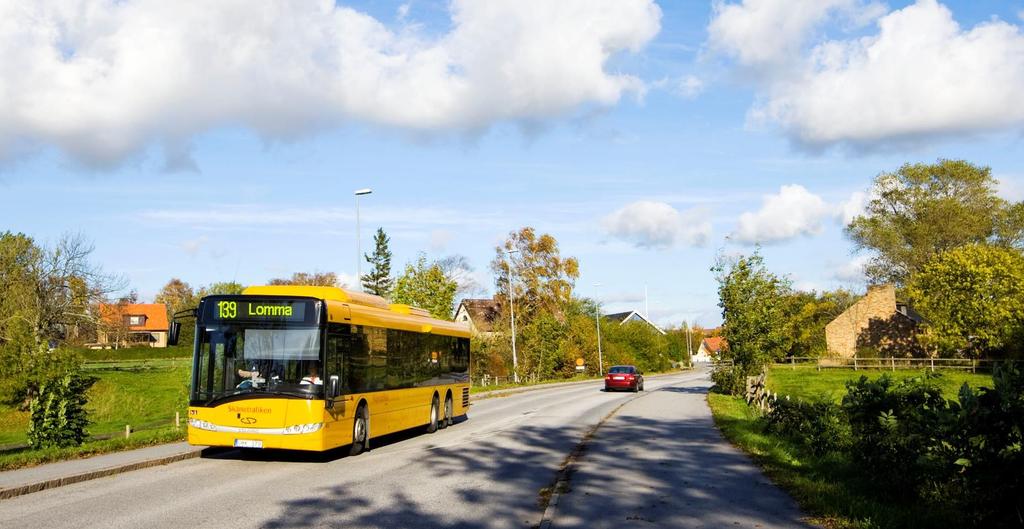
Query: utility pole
{"points": [[597, 321], [512, 312], [359, 249]]}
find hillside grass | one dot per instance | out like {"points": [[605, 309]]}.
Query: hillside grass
{"points": [[140, 396]]}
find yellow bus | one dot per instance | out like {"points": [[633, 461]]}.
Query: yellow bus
{"points": [[315, 368]]}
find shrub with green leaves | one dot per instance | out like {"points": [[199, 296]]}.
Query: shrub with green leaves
{"points": [[58, 414], [820, 426], [893, 424], [731, 380]]}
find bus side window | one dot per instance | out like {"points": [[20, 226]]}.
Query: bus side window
{"points": [[357, 361], [338, 341]]}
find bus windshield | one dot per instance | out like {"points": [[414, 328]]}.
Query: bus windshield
{"points": [[234, 359]]}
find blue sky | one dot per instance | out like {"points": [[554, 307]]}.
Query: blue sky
{"points": [[648, 138]]}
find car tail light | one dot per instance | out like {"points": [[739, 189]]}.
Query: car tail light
{"points": [[629, 377]]}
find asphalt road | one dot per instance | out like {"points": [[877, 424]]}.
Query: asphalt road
{"points": [[486, 471]]}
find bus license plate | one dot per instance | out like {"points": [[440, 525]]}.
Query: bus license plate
{"points": [[246, 443]]}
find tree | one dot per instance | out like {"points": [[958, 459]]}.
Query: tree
{"points": [[543, 278], [921, 210], [314, 279], [222, 288], [457, 268], [807, 314], [753, 312], [972, 298], [425, 285], [179, 295], [379, 281]]}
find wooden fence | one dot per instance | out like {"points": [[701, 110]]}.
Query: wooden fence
{"points": [[884, 363]]}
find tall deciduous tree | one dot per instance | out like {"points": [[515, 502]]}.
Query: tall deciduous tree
{"points": [[972, 298], [543, 279], [379, 281], [920, 210], [179, 295], [424, 285], [753, 312]]}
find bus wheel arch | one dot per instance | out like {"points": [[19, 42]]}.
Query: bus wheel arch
{"points": [[360, 428]]}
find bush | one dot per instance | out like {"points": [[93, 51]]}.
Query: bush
{"points": [[820, 426], [893, 425], [731, 380], [58, 415]]}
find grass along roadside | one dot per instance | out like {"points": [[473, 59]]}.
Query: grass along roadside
{"points": [[15, 459], [579, 378], [828, 488]]}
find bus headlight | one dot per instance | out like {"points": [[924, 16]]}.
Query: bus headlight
{"points": [[303, 428], [201, 424]]}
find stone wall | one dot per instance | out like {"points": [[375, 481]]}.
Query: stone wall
{"points": [[841, 334]]}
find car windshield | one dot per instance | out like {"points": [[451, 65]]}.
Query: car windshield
{"points": [[621, 369], [236, 359]]}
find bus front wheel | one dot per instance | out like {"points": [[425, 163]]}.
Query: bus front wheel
{"points": [[360, 432]]}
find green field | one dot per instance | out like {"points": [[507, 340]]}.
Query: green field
{"points": [[806, 383], [134, 393]]}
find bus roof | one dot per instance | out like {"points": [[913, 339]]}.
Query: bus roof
{"points": [[361, 308]]}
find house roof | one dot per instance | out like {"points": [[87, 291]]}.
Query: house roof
{"points": [[482, 312], [155, 315], [714, 344], [623, 317]]}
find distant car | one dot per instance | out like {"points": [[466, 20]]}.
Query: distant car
{"points": [[624, 377]]}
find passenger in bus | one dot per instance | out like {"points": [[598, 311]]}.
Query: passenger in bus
{"points": [[313, 377]]}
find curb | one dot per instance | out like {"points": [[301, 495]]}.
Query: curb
{"points": [[95, 474]]}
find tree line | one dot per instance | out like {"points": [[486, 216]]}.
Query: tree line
{"points": [[938, 232]]}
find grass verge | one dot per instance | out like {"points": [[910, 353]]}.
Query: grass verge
{"points": [[26, 458], [828, 488], [807, 383]]}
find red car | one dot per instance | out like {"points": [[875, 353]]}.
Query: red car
{"points": [[624, 377]]}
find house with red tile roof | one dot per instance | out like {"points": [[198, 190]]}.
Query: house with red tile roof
{"points": [[123, 324], [709, 350]]}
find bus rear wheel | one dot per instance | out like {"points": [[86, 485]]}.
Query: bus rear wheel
{"points": [[432, 425], [360, 432]]}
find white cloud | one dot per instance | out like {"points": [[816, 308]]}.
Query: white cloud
{"points": [[102, 80], [792, 212], [852, 207], [920, 76], [439, 240], [689, 86], [650, 224], [192, 246], [852, 271], [1011, 188], [765, 35]]}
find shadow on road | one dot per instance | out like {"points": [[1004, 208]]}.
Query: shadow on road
{"points": [[497, 479]]}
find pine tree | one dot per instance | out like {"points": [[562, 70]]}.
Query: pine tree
{"points": [[379, 280]]}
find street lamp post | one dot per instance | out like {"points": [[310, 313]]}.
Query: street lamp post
{"points": [[597, 322], [512, 312], [359, 249]]}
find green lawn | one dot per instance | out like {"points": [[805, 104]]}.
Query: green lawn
{"points": [[139, 397], [807, 383], [135, 353]]}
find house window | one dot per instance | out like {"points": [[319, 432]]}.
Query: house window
{"points": [[136, 320]]}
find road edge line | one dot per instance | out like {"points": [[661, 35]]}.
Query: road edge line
{"points": [[38, 486]]}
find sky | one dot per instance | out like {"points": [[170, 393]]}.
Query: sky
{"points": [[223, 141]]}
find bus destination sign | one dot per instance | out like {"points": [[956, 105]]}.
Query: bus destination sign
{"points": [[257, 310]]}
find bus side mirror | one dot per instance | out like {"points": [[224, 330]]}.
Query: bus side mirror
{"points": [[173, 333], [333, 387]]}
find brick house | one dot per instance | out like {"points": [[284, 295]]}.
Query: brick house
{"points": [[876, 322], [133, 324]]}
